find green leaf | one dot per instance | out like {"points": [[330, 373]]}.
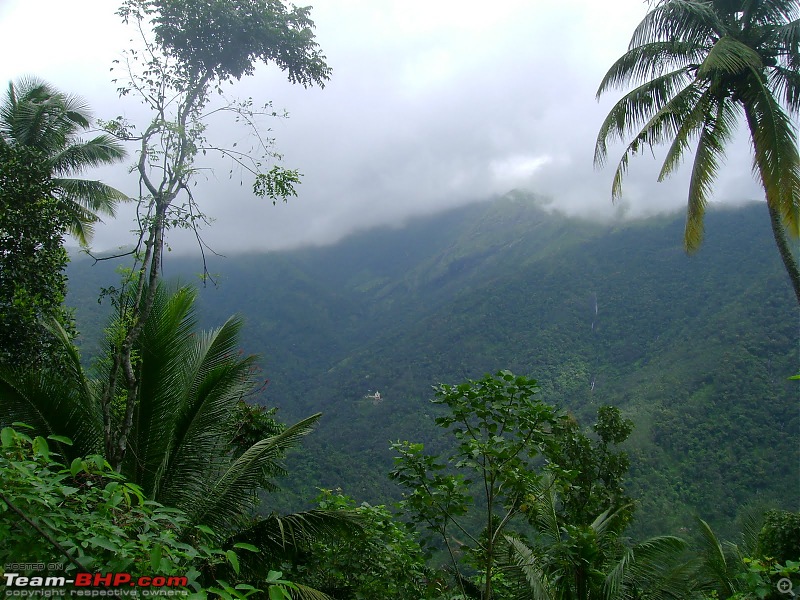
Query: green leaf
{"points": [[277, 593], [274, 576], [155, 558], [7, 437], [104, 543], [60, 438], [40, 447], [248, 547], [233, 559], [76, 466]]}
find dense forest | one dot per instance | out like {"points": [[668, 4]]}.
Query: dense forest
{"points": [[491, 402], [612, 314]]}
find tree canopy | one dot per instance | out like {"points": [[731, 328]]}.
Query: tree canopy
{"points": [[36, 115]]}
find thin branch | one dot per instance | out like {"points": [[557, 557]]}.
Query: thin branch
{"points": [[41, 531]]}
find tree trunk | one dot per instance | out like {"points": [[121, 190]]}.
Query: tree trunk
{"points": [[789, 261]]}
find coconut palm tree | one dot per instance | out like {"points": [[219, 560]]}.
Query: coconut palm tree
{"points": [[181, 446], [35, 114], [698, 66]]}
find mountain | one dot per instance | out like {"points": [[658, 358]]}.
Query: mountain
{"points": [[695, 349]]}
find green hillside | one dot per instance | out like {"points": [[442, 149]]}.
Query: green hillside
{"points": [[695, 349]]}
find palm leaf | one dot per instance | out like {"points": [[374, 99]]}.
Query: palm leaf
{"points": [[53, 403], [788, 36], [281, 537], [770, 12], [216, 378], [679, 20], [785, 84], [525, 560], [660, 127], [162, 346], [79, 155], [729, 56], [775, 155], [229, 498], [715, 572], [303, 592], [36, 115], [657, 565], [659, 97], [90, 195], [715, 134], [691, 125], [651, 61]]}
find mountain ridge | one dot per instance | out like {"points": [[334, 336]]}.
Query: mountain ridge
{"points": [[695, 348]]}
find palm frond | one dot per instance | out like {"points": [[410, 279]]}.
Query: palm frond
{"points": [[303, 592], [770, 12], [751, 522], [604, 521], [715, 572], [281, 538], [92, 195], [229, 498], [542, 513], [650, 61], [788, 36], [54, 403], [36, 115], [79, 155], [775, 155], [785, 84], [216, 378], [658, 565], [661, 126], [716, 132], [660, 97], [162, 347], [680, 20], [525, 560], [729, 56], [691, 125]]}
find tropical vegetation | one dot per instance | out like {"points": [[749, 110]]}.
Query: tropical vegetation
{"points": [[156, 456], [35, 115], [41, 200], [184, 440], [698, 66]]}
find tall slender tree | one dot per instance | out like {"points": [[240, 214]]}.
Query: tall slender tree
{"points": [[36, 115], [698, 66], [190, 48], [41, 199]]}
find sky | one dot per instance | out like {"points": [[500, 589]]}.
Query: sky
{"points": [[432, 104]]}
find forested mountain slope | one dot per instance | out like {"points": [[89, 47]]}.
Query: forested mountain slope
{"points": [[695, 349]]}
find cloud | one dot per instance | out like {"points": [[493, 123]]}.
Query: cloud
{"points": [[432, 104]]}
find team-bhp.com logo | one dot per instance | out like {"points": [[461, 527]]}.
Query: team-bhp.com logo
{"points": [[95, 584]]}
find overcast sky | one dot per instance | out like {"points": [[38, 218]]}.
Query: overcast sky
{"points": [[432, 104]]}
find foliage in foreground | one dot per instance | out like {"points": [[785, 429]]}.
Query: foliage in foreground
{"points": [[554, 528], [88, 517], [196, 447], [491, 488], [381, 561]]}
